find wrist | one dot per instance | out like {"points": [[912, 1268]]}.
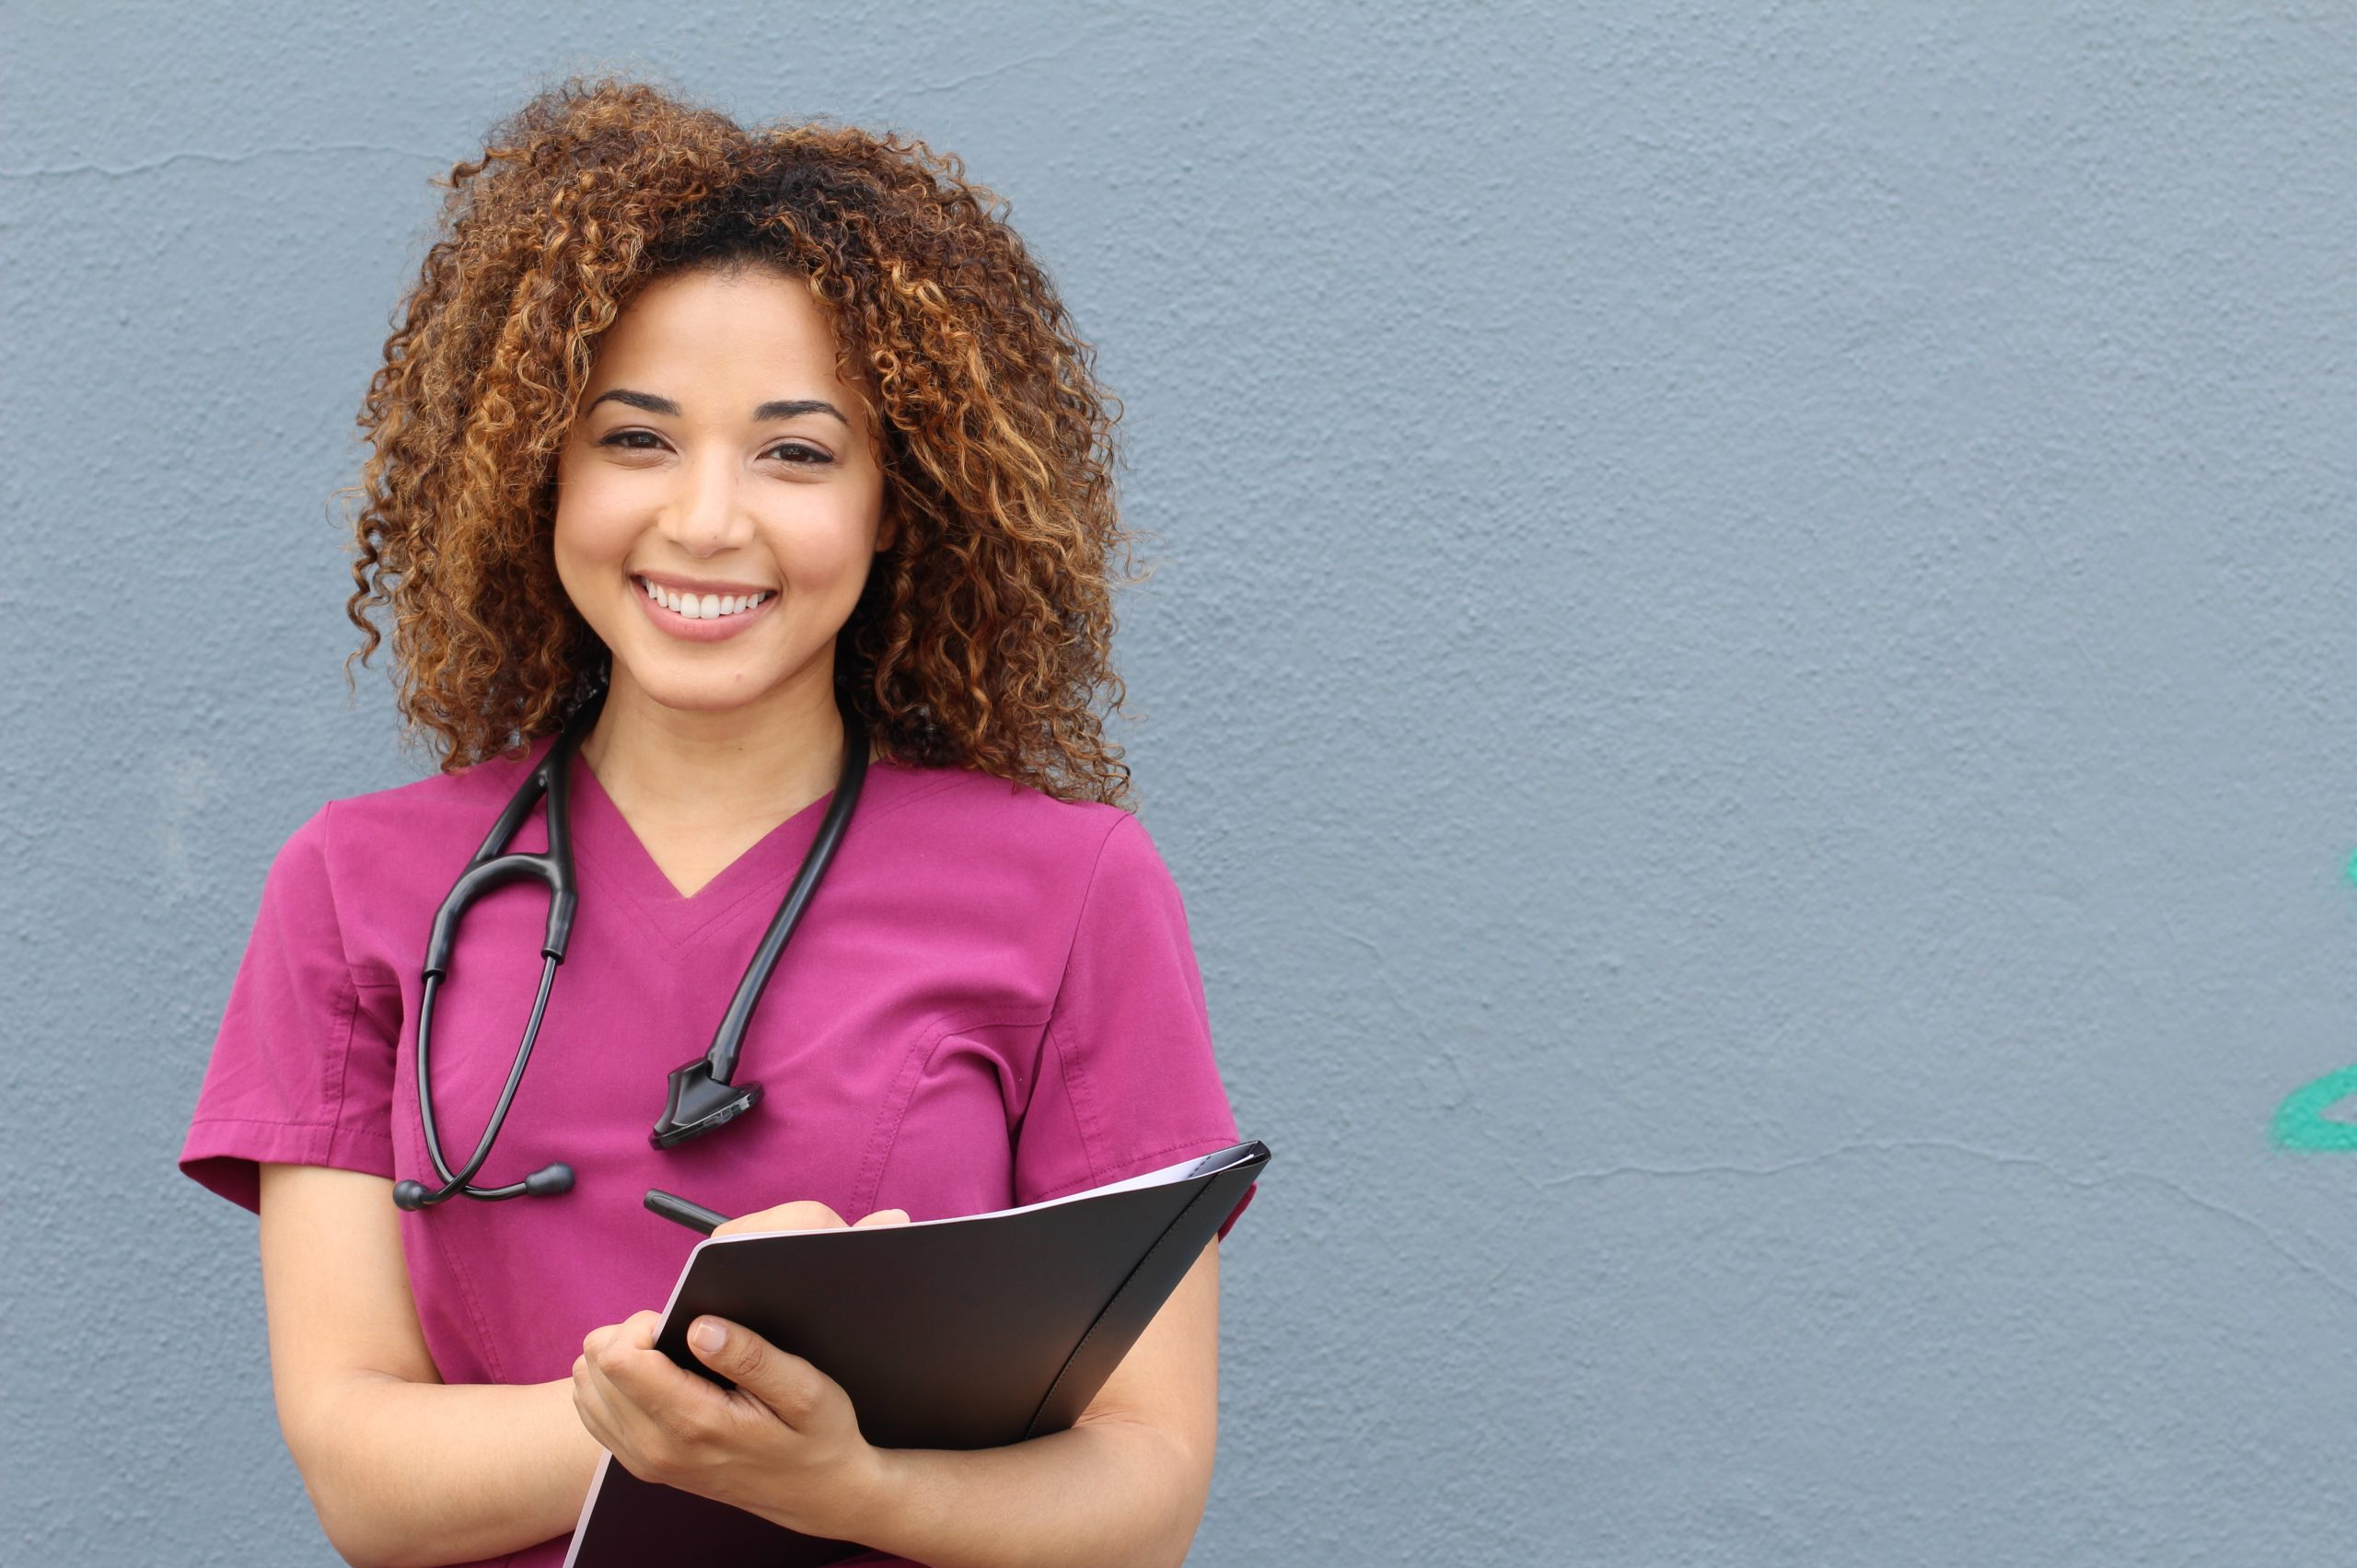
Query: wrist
{"points": [[587, 1450], [860, 1501], [874, 1495]]}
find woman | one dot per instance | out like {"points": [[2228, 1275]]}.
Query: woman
{"points": [[738, 433]]}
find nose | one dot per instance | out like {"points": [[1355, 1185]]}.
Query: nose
{"points": [[705, 516]]}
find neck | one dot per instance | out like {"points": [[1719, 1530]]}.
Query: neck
{"points": [[760, 763]]}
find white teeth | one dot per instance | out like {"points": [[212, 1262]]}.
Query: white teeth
{"points": [[700, 606]]}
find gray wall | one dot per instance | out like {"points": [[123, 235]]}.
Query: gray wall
{"points": [[1753, 686]]}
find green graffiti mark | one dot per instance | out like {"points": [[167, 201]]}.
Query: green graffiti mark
{"points": [[2301, 1122]]}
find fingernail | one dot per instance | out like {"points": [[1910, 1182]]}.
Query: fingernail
{"points": [[707, 1336]]}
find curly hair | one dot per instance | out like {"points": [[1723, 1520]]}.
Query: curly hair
{"points": [[983, 635]]}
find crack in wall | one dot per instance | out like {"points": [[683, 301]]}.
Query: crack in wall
{"points": [[113, 171]]}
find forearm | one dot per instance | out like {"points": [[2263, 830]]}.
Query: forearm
{"points": [[408, 1474], [1107, 1493]]}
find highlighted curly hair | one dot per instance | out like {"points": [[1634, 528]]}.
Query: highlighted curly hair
{"points": [[983, 636]]}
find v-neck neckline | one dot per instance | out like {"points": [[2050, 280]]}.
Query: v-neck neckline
{"points": [[608, 849]]}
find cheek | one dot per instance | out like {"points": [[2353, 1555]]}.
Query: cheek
{"points": [[591, 533], [826, 553]]}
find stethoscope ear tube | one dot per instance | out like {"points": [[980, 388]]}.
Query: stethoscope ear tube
{"points": [[489, 868], [729, 1040]]}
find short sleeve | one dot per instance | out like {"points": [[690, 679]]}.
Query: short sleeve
{"points": [[302, 1068], [1127, 1082]]}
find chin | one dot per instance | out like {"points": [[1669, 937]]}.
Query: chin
{"points": [[716, 691]]}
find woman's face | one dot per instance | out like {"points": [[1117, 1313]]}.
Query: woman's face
{"points": [[717, 465]]}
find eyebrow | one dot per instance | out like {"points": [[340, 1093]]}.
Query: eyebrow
{"points": [[787, 408]]}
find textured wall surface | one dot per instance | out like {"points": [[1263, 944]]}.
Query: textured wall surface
{"points": [[1752, 685]]}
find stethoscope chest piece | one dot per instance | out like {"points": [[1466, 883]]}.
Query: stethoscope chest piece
{"points": [[697, 1102]]}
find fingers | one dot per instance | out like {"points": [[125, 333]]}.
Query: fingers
{"points": [[615, 1365], [643, 1393], [636, 1332], [591, 1402], [807, 1213], [605, 1414]]}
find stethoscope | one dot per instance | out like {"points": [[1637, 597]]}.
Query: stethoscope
{"points": [[700, 1097]]}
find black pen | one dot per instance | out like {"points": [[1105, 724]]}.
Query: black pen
{"points": [[671, 1206]]}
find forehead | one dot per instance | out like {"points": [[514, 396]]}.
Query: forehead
{"points": [[714, 339]]}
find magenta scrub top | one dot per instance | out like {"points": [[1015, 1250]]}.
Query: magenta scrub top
{"points": [[991, 1000]]}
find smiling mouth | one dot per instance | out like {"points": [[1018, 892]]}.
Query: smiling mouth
{"points": [[700, 606]]}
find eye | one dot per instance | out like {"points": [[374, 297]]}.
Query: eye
{"points": [[794, 453]]}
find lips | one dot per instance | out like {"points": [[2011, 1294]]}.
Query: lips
{"points": [[697, 627]]}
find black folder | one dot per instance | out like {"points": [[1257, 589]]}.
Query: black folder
{"points": [[971, 1332]]}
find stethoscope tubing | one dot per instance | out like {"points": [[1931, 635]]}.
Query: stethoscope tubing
{"points": [[730, 1039], [460, 1180], [491, 867]]}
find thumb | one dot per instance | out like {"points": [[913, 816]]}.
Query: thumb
{"points": [[784, 1383]]}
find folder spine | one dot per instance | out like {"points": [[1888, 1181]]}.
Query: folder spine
{"points": [[1032, 1428]]}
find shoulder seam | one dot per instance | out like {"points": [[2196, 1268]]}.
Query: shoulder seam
{"points": [[348, 1005], [1080, 914], [327, 843], [1074, 1080]]}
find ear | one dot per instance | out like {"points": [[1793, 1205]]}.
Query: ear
{"points": [[887, 529]]}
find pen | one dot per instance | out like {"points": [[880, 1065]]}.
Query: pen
{"points": [[671, 1206]]}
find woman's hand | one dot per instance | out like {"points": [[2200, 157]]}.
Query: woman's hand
{"points": [[783, 1443], [806, 1214]]}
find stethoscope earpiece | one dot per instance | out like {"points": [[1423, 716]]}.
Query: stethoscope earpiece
{"points": [[550, 1181], [545, 1182]]}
